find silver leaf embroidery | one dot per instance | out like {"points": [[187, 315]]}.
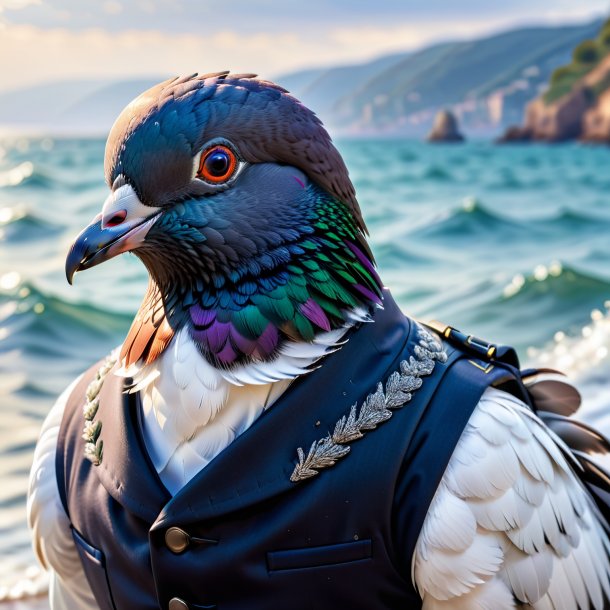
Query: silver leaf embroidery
{"points": [[94, 446], [376, 408]]}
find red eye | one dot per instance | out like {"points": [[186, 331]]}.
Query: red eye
{"points": [[217, 164]]}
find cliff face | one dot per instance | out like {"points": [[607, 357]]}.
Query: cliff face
{"points": [[555, 122], [596, 121], [582, 113]]}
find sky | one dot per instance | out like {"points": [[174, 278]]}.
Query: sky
{"points": [[53, 40]]}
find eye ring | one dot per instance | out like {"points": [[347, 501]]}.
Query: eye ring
{"points": [[217, 164]]}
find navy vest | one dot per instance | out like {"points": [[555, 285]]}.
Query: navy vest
{"points": [[241, 535]]}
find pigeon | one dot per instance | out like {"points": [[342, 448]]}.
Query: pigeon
{"points": [[264, 301]]}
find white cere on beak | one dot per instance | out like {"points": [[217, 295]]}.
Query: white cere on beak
{"points": [[123, 207]]}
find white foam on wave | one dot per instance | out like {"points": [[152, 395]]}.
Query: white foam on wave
{"points": [[33, 582], [539, 274], [17, 175], [585, 359]]}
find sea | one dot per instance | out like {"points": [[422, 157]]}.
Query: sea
{"points": [[510, 243]]}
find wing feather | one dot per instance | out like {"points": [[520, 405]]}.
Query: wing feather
{"points": [[537, 539], [445, 578], [456, 532], [528, 575], [560, 590], [481, 470], [491, 595]]}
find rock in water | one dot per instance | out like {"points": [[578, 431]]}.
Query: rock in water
{"points": [[445, 128], [515, 133]]}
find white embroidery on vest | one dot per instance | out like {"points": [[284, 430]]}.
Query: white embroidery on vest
{"points": [[94, 446], [375, 409]]}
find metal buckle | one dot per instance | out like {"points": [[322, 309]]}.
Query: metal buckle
{"points": [[470, 342]]}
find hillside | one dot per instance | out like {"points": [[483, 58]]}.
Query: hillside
{"points": [[486, 83], [322, 88], [576, 103]]}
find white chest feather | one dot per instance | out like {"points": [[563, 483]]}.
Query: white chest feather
{"points": [[191, 411]]}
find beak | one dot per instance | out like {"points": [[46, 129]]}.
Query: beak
{"points": [[121, 227]]}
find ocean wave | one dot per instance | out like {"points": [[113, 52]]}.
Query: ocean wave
{"points": [[512, 182], [27, 174], [572, 219], [20, 224], [475, 219], [506, 179], [30, 390], [407, 156], [46, 177], [436, 173], [395, 253], [565, 283], [526, 311], [41, 323], [472, 218], [596, 180]]}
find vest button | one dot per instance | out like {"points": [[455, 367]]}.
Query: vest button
{"points": [[177, 604], [177, 541]]}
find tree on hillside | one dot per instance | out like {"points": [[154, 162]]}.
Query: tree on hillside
{"points": [[586, 52], [560, 73]]}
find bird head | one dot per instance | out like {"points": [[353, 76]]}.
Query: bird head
{"points": [[232, 194]]}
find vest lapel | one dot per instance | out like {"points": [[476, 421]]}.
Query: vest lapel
{"points": [[258, 464], [126, 470]]}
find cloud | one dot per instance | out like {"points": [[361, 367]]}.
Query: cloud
{"points": [[13, 5], [29, 54], [111, 7], [315, 17], [34, 53]]}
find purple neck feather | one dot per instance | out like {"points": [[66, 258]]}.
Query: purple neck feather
{"points": [[225, 343]]}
